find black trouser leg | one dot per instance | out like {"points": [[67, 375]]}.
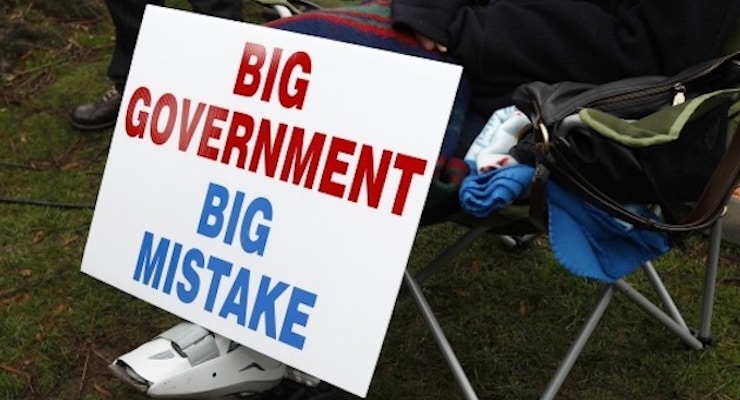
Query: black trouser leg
{"points": [[127, 16], [231, 9]]}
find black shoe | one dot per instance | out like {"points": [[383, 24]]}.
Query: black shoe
{"points": [[289, 390], [97, 115]]}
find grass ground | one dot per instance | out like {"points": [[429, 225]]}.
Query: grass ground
{"points": [[509, 315]]}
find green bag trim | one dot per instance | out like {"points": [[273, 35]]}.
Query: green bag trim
{"points": [[734, 111], [659, 127]]}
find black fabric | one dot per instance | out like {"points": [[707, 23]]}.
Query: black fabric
{"points": [[127, 16], [669, 174], [609, 173], [678, 171], [504, 43]]}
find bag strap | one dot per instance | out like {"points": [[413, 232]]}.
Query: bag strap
{"points": [[709, 207], [718, 191]]}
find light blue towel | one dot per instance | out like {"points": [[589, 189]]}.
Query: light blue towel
{"points": [[485, 137]]}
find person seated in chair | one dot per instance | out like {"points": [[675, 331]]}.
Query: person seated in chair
{"points": [[504, 43]]}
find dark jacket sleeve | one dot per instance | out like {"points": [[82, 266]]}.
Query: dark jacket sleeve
{"points": [[429, 18], [504, 43]]}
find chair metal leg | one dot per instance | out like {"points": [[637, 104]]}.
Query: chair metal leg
{"points": [[682, 332], [566, 364], [669, 316], [710, 281], [668, 304], [449, 355]]}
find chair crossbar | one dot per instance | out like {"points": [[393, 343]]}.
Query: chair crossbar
{"points": [[649, 307], [668, 304]]}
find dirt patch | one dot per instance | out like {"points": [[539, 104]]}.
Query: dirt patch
{"points": [[16, 38], [70, 10], [26, 25]]}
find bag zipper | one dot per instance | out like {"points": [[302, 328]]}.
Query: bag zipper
{"points": [[679, 96], [676, 87]]}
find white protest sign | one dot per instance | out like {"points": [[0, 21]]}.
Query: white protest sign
{"points": [[267, 185]]}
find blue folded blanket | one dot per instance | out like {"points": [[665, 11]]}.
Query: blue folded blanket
{"points": [[482, 194], [585, 240]]}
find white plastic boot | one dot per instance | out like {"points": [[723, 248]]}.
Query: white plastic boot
{"points": [[187, 362]]}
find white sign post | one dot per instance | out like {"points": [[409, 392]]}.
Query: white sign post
{"points": [[267, 185]]}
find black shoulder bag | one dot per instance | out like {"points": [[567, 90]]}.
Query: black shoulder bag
{"points": [[689, 168]]}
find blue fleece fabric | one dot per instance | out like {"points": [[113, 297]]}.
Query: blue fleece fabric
{"points": [[590, 243], [585, 240], [483, 194]]}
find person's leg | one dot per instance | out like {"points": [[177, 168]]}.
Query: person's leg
{"points": [[127, 16], [231, 9], [102, 114]]}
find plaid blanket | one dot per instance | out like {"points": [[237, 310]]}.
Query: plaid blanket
{"points": [[367, 24]]}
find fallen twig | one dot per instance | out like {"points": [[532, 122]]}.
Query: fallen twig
{"points": [[12, 370], [84, 372]]}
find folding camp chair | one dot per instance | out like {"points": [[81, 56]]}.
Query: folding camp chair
{"points": [[510, 220], [513, 220]]}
